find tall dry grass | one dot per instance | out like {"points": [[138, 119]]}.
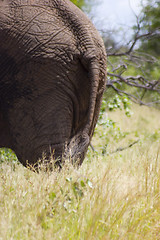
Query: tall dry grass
{"points": [[111, 196]]}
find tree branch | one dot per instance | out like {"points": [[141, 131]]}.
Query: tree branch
{"points": [[127, 58]]}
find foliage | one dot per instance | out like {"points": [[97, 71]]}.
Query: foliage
{"points": [[118, 102], [7, 155], [151, 15], [151, 23]]}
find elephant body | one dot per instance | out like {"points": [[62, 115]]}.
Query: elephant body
{"points": [[52, 78]]}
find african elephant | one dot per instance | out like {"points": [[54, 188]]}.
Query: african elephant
{"points": [[52, 78]]}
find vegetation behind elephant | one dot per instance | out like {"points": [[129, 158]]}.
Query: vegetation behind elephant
{"points": [[52, 78]]}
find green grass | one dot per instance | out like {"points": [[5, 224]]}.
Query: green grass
{"points": [[111, 196]]}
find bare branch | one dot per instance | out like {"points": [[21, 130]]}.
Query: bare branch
{"points": [[136, 38], [134, 82], [126, 57]]}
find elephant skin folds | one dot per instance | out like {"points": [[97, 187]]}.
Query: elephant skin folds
{"points": [[52, 78]]}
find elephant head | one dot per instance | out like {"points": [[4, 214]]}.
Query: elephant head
{"points": [[52, 78]]}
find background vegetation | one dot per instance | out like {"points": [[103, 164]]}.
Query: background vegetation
{"points": [[115, 194]]}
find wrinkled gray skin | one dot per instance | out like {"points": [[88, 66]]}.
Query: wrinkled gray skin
{"points": [[52, 77]]}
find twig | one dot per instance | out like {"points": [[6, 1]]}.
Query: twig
{"points": [[92, 147], [124, 148]]}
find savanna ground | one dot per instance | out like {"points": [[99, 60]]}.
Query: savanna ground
{"points": [[113, 195]]}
